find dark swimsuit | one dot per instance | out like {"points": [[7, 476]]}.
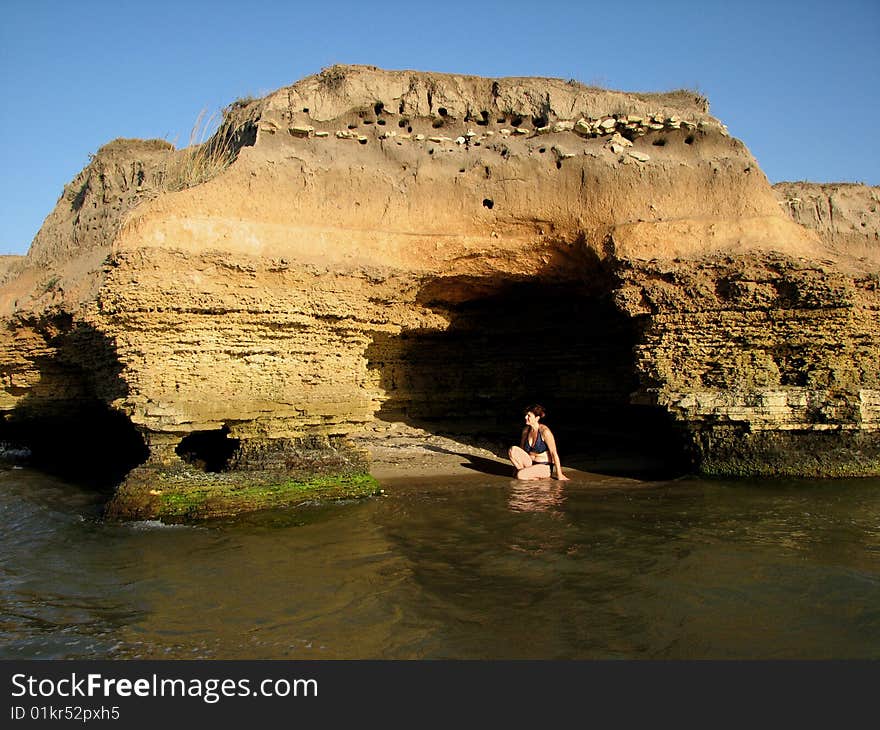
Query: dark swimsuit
{"points": [[539, 447]]}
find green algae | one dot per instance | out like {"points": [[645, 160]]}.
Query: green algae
{"points": [[211, 500], [184, 497]]}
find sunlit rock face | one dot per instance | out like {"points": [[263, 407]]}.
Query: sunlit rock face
{"points": [[371, 247]]}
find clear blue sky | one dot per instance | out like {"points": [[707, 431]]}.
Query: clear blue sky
{"points": [[798, 82]]}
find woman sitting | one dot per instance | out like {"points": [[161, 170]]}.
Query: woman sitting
{"points": [[536, 452]]}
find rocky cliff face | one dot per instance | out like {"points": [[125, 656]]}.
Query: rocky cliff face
{"points": [[845, 215], [399, 247]]}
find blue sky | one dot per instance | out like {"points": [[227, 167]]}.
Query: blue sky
{"points": [[798, 82]]}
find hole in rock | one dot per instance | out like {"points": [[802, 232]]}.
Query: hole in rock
{"points": [[516, 121], [402, 123], [442, 111], [84, 441], [64, 420], [488, 203], [689, 139], [483, 121], [208, 450], [661, 142], [437, 123], [378, 107], [510, 344]]}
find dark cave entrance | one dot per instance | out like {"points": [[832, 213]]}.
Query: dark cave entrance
{"points": [[84, 441], [210, 450], [65, 420], [565, 346]]}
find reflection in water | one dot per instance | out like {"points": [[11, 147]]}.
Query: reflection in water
{"points": [[473, 567], [543, 495]]}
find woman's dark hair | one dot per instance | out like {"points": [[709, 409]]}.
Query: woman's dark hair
{"points": [[537, 410]]}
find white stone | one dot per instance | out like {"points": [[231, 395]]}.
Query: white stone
{"points": [[543, 130], [582, 127], [420, 138], [520, 130], [301, 131], [563, 126], [620, 140], [639, 156], [322, 134], [607, 123], [504, 132], [560, 153], [460, 140]]}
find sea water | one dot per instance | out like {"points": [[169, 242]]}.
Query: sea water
{"points": [[477, 566]]}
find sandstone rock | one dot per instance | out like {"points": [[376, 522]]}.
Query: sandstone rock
{"points": [[583, 128], [639, 156], [301, 131], [564, 126], [619, 140], [845, 215], [257, 318]]}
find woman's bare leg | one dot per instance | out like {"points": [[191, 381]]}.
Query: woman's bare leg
{"points": [[535, 471], [520, 459]]}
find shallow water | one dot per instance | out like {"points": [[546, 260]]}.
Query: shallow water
{"points": [[468, 567]]}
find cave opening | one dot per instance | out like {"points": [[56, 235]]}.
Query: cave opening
{"points": [[565, 346], [64, 421], [83, 441], [209, 450]]}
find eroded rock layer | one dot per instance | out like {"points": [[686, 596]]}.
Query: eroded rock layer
{"points": [[383, 247]]}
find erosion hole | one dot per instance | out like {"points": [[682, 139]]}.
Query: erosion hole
{"points": [[488, 203], [689, 139], [661, 142], [210, 451]]}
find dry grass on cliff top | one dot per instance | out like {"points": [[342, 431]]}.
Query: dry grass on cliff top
{"points": [[203, 159]]}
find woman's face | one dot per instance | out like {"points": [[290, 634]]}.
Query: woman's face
{"points": [[531, 419]]}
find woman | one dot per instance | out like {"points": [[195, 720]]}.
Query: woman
{"points": [[537, 449]]}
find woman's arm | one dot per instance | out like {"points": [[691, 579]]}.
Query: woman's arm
{"points": [[523, 438], [554, 454]]}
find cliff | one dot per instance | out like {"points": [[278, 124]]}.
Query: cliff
{"points": [[371, 248], [846, 216]]}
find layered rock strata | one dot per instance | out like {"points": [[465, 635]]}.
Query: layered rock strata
{"points": [[400, 247]]}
